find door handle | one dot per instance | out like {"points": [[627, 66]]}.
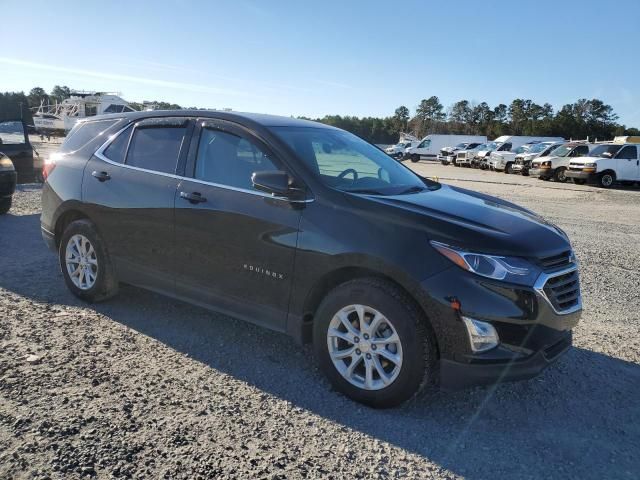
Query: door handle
{"points": [[194, 197], [101, 176]]}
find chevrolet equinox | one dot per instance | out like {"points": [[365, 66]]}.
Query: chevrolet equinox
{"points": [[399, 282]]}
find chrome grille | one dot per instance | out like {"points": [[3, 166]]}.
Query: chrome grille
{"points": [[563, 291]]}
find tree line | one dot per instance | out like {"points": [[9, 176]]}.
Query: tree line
{"points": [[581, 119]]}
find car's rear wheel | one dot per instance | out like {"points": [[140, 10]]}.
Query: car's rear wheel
{"points": [[373, 344], [415, 158], [85, 263], [5, 205]]}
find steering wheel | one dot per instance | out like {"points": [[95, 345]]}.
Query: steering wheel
{"points": [[347, 172]]}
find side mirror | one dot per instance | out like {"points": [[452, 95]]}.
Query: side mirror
{"points": [[274, 182]]}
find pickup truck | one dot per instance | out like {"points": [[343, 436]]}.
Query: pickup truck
{"points": [[449, 154], [523, 160]]}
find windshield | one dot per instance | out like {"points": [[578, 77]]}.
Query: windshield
{"points": [[522, 149], [348, 163], [491, 146], [461, 145], [607, 151], [562, 151], [538, 147], [11, 132]]}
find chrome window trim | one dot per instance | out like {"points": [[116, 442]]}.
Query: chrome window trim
{"points": [[542, 281], [100, 154]]}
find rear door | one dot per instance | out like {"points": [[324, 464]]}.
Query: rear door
{"points": [[627, 167], [129, 190], [235, 246]]}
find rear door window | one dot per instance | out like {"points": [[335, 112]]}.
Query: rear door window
{"points": [[156, 147]]}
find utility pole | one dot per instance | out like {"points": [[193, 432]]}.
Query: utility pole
{"points": [[20, 103]]}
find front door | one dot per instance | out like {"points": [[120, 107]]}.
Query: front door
{"points": [[235, 246], [627, 163], [129, 190]]}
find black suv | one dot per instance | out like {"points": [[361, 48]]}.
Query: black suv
{"points": [[400, 282]]}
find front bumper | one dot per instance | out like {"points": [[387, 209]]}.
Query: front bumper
{"points": [[457, 375], [588, 177], [541, 172], [532, 333], [8, 180]]}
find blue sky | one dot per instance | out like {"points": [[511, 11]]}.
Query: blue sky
{"points": [[328, 57]]}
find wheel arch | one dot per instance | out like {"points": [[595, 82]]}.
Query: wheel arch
{"points": [[338, 276], [69, 215]]}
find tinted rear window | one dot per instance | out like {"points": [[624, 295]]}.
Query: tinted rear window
{"points": [[156, 148], [85, 132]]}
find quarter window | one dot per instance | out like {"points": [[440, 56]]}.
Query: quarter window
{"points": [[156, 148], [228, 159], [117, 150], [83, 132], [629, 152]]}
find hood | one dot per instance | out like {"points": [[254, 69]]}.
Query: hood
{"points": [[581, 160], [478, 222]]}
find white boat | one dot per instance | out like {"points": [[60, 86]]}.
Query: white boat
{"points": [[61, 117]]}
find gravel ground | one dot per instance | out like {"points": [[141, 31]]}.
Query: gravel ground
{"points": [[147, 387]]}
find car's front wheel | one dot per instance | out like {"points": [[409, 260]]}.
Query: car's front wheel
{"points": [[373, 344], [85, 263], [606, 179], [5, 205]]}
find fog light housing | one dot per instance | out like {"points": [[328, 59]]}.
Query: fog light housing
{"points": [[482, 335]]}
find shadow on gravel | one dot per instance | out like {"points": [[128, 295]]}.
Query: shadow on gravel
{"points": [[579, 419]]}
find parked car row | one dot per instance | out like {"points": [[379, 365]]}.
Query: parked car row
{"points": [[547, 158]]}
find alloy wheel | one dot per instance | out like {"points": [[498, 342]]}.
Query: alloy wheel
{"points": [[81, 262], [364, 347]]}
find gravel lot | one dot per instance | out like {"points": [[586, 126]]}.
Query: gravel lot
{"points": [[147, 387]]}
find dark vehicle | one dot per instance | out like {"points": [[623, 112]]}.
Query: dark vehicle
{"points": [[14, 143], [7, 183], [400, 282]]}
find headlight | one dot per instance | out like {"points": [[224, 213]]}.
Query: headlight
{"points": [[546, 164], [6, 164], [508, 269], [589, 165]]}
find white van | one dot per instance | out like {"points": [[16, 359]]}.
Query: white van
{"points": [[430, 146], [501, 159], [555, 165], [606, 164]]}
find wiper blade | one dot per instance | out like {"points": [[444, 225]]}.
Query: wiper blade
{"points": [[414, 189], [365, 191]]}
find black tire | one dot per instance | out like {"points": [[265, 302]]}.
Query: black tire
{"points": [[525, 172], [546, 179], [106, 283], [509, 168], [579, 181], [415, 158], [560, 175], [606, 179], [5, 205], [419, 348]]}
